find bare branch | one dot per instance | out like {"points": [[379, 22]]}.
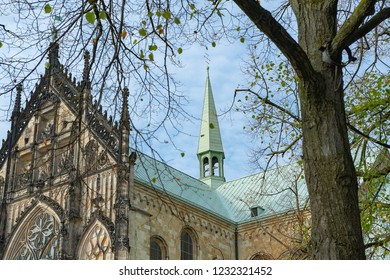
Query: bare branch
{"points": [[357, 131], [269, 102], [264, 20]]}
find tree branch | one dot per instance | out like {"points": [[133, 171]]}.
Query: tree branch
{"points": [[269, 102], [266, 23], [357, 131], [378, 242], [381, 16], [342, 38]]}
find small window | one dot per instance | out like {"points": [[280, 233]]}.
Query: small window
{"points": [[158, 249], [186, 246], [215, 168], [206, 167], [155, 251], [256, 211]]}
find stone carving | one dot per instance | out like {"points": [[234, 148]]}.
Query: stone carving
{"points": [[103, 158], [47, 131], [91, 155]]}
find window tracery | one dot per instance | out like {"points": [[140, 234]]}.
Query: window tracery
{"points": [[97, 245], [37, 239]]}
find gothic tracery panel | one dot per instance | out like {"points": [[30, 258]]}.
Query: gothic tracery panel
{"points": [[97, 244], [37, 238]]}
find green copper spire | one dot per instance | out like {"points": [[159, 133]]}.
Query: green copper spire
{"points": [[210, 149]]}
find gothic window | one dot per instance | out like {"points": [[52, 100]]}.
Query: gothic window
{"points": [[158, 249], [206, 167], [37, 238], [96, 244], [215, 167], [187, 245]]}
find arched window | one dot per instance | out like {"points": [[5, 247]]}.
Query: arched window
{"points": [[206, 167], [96, 244], [36, 238], [188, 249], [158, 249], [215, 167]]}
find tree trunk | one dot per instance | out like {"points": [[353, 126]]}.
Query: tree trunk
{"points": [[329, 168]]}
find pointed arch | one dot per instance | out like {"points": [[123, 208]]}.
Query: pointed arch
{"points": [[96, 243], [37, 235]]}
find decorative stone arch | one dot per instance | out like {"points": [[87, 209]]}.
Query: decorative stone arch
{"points": [[189, 244], [158, 248], [37, 234], [96, 242]]}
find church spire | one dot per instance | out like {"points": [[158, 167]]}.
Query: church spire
{"points": [[210, 149]]}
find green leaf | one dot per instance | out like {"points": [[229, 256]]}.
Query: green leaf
{"points": [[1, 44], [242, 39], [154, 180], [142, 32], [211, 125], [182, 154], [179, 50], [213, 44], [47, 9], [102, 15], [47, 65], [176, 20], [166, 14], [152, 47], [151, 57], [90, 17]]}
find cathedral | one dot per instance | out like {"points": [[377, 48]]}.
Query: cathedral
{"points": [[73, 187]]}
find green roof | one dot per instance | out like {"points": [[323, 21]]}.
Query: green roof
{"points": [[232, 200]]}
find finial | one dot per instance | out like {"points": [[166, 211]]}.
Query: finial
{"points": [[86, 80], [125, 117], [18, 98]]}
